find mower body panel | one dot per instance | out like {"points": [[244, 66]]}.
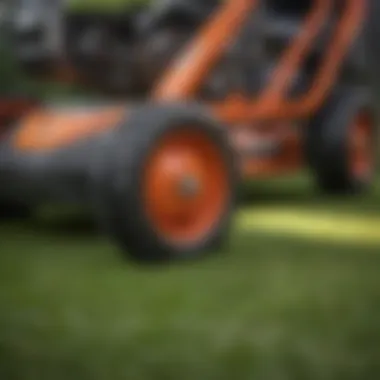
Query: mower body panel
{"points": [[49, 128], [48, 154]]}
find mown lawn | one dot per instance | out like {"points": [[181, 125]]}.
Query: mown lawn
{"points": [[104, 6], [270, 307]]}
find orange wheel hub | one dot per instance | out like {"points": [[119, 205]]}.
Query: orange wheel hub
{"points": [[186, 186], [361, 152]]}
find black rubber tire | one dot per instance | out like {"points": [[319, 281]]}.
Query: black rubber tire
{"points": [[327, 142], [116, 187]]}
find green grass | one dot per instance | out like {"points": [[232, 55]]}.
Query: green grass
{"points": [[269, 307], [105, 6]]}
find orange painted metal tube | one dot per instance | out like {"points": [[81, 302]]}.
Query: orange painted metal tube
{"points": [[293, 57], [271, 105], [345, 35], [182, 80]]}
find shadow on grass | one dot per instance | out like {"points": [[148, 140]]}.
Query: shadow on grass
{"points": [[73, 225], [68, 226]]}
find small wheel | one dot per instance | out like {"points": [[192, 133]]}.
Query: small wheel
{"points": [[341, 143], [166, 189]]}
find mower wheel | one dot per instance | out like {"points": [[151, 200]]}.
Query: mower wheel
{"points": [[165, 188], [341, 143]]}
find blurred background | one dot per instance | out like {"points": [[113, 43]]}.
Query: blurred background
{"points": [[295, 295]]}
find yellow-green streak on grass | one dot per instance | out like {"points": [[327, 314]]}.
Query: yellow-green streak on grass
{"points": [[313, 224]]}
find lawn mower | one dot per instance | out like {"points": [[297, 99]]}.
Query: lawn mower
{"points": [[241, 90]]}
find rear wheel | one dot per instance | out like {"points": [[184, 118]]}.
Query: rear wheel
{"points": [[341, 144], [168, 186]]}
